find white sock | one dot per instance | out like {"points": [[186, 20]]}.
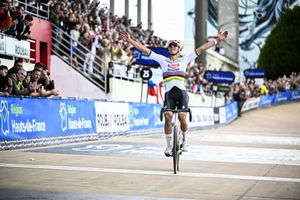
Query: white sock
{"points": [[184, 136], [169, 140]]}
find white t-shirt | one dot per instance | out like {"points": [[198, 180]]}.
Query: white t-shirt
{"points": [[173, 71]]}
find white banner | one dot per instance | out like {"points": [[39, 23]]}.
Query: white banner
{"points": [[112, 117], [222, 113], [202, 117], [14, 47], [250, 104], [2, 44]]}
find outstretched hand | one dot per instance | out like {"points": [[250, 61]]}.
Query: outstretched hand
{"points": [[124, 36], [222, 35]]}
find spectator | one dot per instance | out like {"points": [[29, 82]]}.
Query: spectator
{"points": [[18, 64], [5, 18], [5, 82], [84, 49], [17, 18], [18, 84], [44, 79], [75, 34], [23, 30]]}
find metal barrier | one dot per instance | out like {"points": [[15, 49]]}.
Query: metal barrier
{"points": [[39, 8], [62, 47]]}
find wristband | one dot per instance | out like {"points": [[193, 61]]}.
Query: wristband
{"points": [[215, 41]]}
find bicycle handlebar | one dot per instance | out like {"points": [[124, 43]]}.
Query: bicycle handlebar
{"points": [[175, 111]]}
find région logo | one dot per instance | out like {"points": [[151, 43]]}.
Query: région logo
{"points": [[4, 115]]}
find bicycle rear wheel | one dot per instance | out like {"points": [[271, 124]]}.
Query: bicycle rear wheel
{"points": [[175, 149]]}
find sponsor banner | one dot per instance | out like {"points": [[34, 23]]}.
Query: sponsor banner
{"points": [[30, 118], [156, 108], [14, 47], [201, 117], [250, 104], [143, 59], [112, 116], [254, 73], [219, 76], [266, 100], [141, 116], [222, 115], [2, 44], [283, 97], [231, 111], [296, 95]]}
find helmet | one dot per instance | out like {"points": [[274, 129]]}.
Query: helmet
{"points": [[173, 41]]}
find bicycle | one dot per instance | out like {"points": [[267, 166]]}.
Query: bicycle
{"points": [[177, 141]]}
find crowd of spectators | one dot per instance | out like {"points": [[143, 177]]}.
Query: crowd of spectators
{"points": [[18, 82], [13, 22]]}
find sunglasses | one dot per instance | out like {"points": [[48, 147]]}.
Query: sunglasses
{"points": [[173, 44]]}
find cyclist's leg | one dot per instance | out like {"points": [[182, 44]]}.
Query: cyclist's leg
{"points": [[182, 118], [168, 104]]}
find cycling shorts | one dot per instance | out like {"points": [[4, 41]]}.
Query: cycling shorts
{"points": [[176, 97]]}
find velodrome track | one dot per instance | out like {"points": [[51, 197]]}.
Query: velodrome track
{"points": [[254, 157]]}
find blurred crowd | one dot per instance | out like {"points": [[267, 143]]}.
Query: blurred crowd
{"points": [[16, 81]]}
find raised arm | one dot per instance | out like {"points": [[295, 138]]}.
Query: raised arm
{"points": [[126, 37], [204, 47]]}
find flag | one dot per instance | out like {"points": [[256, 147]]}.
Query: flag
{"points": [[196, 89], [151, 90]]}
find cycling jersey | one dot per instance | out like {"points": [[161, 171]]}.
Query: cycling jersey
{"points": [[173, 71]]}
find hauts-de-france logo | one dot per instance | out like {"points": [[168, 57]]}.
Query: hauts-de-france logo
{"points": [[63, 116], [4, 117]]}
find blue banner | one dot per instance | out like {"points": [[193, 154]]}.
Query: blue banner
{"points": [[296, 95], [141, 116], [142, 59], [283, 97], [231, 111], [267, 100], [219, 77], [30, 117], [254, 73]]}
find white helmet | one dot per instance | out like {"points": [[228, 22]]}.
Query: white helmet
{"points": [[173, 41]]}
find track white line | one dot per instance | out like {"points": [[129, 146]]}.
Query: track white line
{"points": [[146, 172]]}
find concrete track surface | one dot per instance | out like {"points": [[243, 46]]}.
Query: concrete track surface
{"points": [[256, 157]]}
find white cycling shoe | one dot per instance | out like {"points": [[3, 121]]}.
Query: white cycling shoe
{"points": [[168, 151], [185, 146]]}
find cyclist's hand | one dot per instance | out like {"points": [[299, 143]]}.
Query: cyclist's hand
{"points": [[124, 36], [222, 35]]}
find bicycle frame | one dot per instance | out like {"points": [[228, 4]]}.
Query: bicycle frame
{"points": [[176, 151]]}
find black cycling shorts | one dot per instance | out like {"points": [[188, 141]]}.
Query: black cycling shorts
{"points": [[176, 97]]}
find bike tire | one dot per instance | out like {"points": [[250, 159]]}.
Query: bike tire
{"points": [[175, 149]]}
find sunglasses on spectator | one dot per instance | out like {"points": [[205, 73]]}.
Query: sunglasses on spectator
{"points": [[173, 44]]}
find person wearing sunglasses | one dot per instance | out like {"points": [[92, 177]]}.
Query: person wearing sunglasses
{"points": [[173, 72]]}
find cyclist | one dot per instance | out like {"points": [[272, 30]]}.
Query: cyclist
{"points": [[173, 72]]}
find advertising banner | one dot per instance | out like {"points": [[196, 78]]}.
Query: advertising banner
{"points": [[296, 95], [29, 118], [112, 116], [231, 111], [143, 59], [283, 97], [14, 47], [250, 104], [222, 113], [219, 77], [266, 100], [141, 116], [201, 117], [254, 73]]}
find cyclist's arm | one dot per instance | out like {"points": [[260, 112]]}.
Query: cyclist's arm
{"points": [[205, 46], [139, 46]]}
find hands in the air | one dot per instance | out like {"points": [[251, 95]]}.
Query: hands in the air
{"points": [[222, 35]]}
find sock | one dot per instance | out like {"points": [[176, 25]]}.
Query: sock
{"points": [[169, 140], [184, 136]]}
